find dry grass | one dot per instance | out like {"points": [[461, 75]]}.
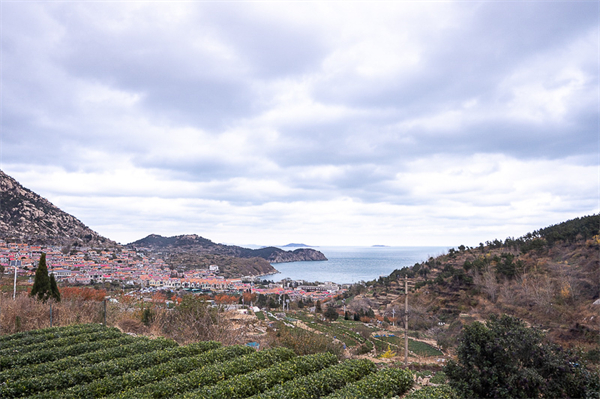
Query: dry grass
{"points": [[25, 313], [194, 320]]}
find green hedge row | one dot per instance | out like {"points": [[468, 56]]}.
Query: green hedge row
{"points": [[431, 392], [130, 382], [322, 383], [128, 346], [211, 374], [144, 381], [50, 355], [242, 386], [63, 341], [35, 336], [82, 375], [41, 331], [383, 384]]}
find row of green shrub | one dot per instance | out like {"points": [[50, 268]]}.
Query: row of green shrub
{"points": [[63, 341], [109, 364], [47, 334], [148, 376], [322, 383], [210, 374], [242, 386], [385, 383], [82, 375], [433, 392], [129, 346], [52, 354]]}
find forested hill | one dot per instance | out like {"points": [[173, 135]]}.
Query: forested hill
{"points": [[578, 229], [571, 231], [549, 277]]}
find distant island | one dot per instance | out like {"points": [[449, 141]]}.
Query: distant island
{"points": [[294, 245]]}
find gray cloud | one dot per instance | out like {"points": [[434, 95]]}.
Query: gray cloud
{"points": [[271, 48], [354, 115]]}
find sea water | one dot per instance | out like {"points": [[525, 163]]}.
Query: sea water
{"points": [[354, 264]]}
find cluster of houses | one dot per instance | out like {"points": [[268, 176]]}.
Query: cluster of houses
{"points": [[134, 268]]}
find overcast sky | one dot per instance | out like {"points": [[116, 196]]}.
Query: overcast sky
{"points": [[328, 123]]}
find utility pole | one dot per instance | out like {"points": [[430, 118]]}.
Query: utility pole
{"points": [[15, 288], [406, 321]]}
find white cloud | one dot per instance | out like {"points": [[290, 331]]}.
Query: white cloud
{"points": [[332, 123]]}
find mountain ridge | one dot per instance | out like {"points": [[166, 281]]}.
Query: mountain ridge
{"points": [[28, 217], [197, 244]]}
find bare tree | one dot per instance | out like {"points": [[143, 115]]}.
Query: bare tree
{"points": [[508, 292], [488, 283], [543, 292], [363, 304]]}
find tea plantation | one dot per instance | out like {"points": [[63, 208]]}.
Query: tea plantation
{"points": [[93, 361]]}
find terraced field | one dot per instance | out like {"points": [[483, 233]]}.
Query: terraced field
{"points": [[343, 331], [397, 343], [93, 361]]}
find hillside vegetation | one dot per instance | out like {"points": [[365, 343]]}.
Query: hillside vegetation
{"points": [[549, 277]]}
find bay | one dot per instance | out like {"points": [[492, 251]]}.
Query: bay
{"points": [[347, 265]]}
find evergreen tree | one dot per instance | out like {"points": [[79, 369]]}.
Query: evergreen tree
{"points": [[272, 303], [41, 283], [147, 316], [262, 301], [318, 308], [54, 292], [331, 313]]}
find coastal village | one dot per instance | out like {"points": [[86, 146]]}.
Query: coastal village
{"points": [[133, 268]]}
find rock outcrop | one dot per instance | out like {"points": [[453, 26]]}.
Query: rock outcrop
{"points": [[302, 254], [27, 217]]}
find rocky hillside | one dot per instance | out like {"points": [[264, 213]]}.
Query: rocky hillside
{"points": [[27, 217], [193, 243], [548, 277], [229, 266]]}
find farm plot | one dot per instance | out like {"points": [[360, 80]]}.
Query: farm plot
{"points": [[91, 361], [341, 329], [347, 336], [417, 347]]}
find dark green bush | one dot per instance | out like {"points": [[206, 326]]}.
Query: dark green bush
{"points": [[439, 378], [506, 359]]}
